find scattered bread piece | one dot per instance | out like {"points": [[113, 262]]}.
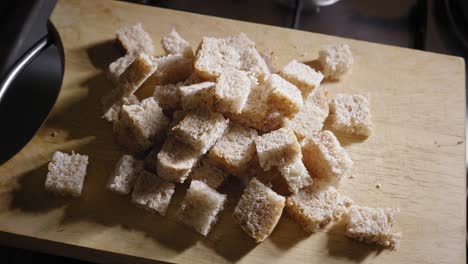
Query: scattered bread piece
{"points": [[311, 118], [124, 175], [303, 76], [350, 114], [66, 174], [198, 95], [296, 175], [201, 207], [231, 91], [258, 210], [325, 158], [373, 225], [277, 148], [201, 129], [283, 96], [173, 43], [134, 39], [316, 206], [117, 67], [336, 60], [209, 173], [168, 96], [152, 192], [142, 67]]}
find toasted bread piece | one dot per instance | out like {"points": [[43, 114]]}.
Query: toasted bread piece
{"points": [[173, 43], [147, 121], [336, 60], [207, 172], [66, 174], [325, 158], [316, 206], [296, 175], [258, 210], [201, 129], [198, 95], [117, 67], [255, 109], [142, 67], [201, 207], [176, 160], [134, 39], [168, 96], [124, 175], [373, 225], [350, 114], [303, 76], [231, 91], [283, 96], [235, 149], [311, 118], [152, 192], [277, 148]]}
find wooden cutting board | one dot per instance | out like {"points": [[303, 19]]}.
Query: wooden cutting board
{"points": [[417, 154]]}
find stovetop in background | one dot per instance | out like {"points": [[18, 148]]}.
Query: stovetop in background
{"points": [[432, 25]]}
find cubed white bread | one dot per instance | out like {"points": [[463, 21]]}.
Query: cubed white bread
{"points": [[123, 177], [201, 129], [350, 114], [198, 95], [325, 158], [142, 67], [66, 174], [312, 116], [336, 60], [175, 160], [277, 148], [152, 193], [302, 75], [259, 210], [296, 175], [316, 206], [231, 91], [201, 206], [373, 225], [209, 173], [147, 121], [117, 67], [235, 149], [255, 109], [134, 39], [172, 68], [168, 96], [112, 104], [283, 96], [173, 43], [216, 55]]}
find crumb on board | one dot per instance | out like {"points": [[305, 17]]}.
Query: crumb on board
{"points": [[53, 133], [378, 185], [459, 142]]}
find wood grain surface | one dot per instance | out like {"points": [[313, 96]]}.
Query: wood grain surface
{"points": [[417, 154]]}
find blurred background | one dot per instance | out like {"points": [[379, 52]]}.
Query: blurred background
{"points": [[432, 25]]}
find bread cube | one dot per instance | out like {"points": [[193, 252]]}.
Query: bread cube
{"points": [[124, 137], [259, 210], [176, 160], [201, 129], [255, 109], [112, 104], [201, 206], [296, 175], [325, 158], [168, 96], [147, 122], [316, 206], [235, 149], [303, 76], [231, 91], [277, 148], [142, 67], [124, 175], [66, 174], [193, 79], [173, 43], [350, 114], [336, 60], [283, 96], [134, 39], [269, 60], [207, 172], [312, 116], [117, 67], [152, 193], [373, 225], [198, 95]]}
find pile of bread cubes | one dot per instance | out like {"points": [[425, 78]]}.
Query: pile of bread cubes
{"points": [[222, 111]]}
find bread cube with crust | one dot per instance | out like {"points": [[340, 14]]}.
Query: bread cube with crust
{"points": [[173, 43], [283, 96], [195, 96], [209, 173], [134, 39], [125, 173], [302, 75], [295, 175], [168, 96], [142, 67], [232, 90], [336, 60], [350, 114]]}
